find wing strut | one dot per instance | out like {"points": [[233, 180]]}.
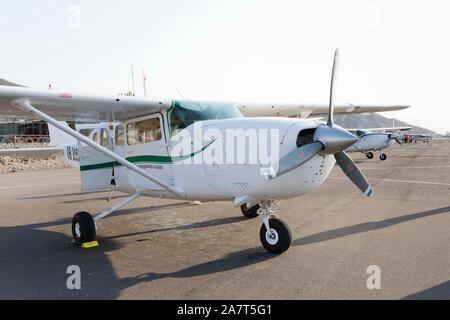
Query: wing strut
{"points": [[25, 105]]}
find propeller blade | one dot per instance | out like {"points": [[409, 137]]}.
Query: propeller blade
{"points": [[396, 138], [333, 88], [295, 159], [352, 171]]}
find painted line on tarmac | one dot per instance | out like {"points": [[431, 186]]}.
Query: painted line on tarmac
{"points": [[20, 176], [422, 155], [38, 185], [416, 182], [384, 168], [400, 181]]}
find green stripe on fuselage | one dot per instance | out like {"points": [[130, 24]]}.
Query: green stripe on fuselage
{"points": [[144, 159]]}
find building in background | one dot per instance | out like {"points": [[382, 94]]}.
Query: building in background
{"points": [[23, 128], [23, 134]]}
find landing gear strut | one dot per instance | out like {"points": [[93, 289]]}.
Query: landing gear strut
{"points": [[84, 228], [275, 235]]}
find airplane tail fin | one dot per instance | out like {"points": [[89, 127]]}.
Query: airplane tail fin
{"points": [[58, 138], [68, 144]]}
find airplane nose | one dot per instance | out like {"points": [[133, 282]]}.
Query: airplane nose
{"points": [[334, 139]]}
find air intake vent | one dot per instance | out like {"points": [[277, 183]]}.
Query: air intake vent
{"points": [[305, 136]]}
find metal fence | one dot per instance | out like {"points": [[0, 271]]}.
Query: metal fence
{"points": [[13, 142]]}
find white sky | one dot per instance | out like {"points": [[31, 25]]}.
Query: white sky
{"points": [[393, 52]]}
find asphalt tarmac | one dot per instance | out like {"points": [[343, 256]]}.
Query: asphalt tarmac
{"points": [[212, 252]]}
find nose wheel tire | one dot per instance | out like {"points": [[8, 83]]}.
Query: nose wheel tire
{"points": [[83, 228], [369, 155], [383, 157], [278, 239], [250, 212]]}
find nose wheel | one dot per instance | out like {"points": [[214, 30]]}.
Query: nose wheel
{"points": [[278, 238], [383, 156], [275, 235], [369, 155]]}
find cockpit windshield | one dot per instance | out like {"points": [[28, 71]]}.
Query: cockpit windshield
{"points": [[184, 113]]}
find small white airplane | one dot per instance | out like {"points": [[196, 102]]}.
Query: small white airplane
{"points": [[414, 138], [138, 154], [370, 140]]}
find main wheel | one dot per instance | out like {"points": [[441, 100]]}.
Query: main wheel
{"points": [[250, 212], [83, 227], [369, 155], [383, 157], [278, 239]]}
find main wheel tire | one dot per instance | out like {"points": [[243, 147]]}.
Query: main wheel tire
{"points": [[369, 155], [279, 239], [83, 227], [250, 212], [383, 157]]}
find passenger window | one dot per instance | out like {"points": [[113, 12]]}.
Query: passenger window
{"points": [[105, 140], [144, 131], [120, 136], [95, 137], [86, 132]]}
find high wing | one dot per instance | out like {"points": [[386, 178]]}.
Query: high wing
{"points": [[308, 110], [41, 153], [4, 82], [70, 106]]}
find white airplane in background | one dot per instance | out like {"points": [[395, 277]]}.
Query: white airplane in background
{"points": [[371, 141], [414, 138], [139, 155]]}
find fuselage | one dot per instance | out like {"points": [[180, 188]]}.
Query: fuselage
{"points": [[372, 142], [203, 179], [208, 159]]}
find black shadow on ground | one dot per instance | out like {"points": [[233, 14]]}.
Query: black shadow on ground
{"points": [[439, 292], [365, 227], [34, 261]]}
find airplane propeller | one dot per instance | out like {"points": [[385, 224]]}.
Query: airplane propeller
{"points": [[328, 139]]}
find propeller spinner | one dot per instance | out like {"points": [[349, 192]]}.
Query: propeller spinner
{"points": [[328, 139]]}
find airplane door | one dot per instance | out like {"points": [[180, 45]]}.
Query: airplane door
{"points": [[96, 168], [146, 147]]}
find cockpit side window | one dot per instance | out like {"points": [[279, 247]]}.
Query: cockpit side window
{"points": [[120, 136], [144, 131], [95, 137], [104, 141]]}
